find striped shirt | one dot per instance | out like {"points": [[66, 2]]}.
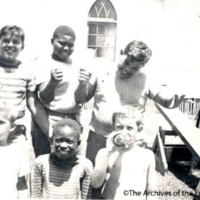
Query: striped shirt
{"points": [[15, 83], [50, 181]]}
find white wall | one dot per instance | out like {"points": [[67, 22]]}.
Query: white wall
{"points": [[170, 27]]}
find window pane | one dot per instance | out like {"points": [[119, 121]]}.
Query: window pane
{"points": [[101, 52], [103, 13], [102, 29], [110, 42], [101, 41], [91, 40], [111, 29], [111, 11], [92, 29]]}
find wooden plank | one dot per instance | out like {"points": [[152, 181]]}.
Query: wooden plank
{"points": [[184, 128]]}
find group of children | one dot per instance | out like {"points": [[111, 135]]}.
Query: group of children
{"points": [[61, 173]]}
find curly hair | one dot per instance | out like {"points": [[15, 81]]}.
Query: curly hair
{"points": [[138, 51], [64, 30], [14, 31]]}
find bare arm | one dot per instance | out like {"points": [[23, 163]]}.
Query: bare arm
{"points": [[167, 99], [38, 112], [47, 90], [151, 178], [22, 188], [100, 170], [85, 90]]}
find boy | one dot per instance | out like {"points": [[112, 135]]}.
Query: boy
{"points": [[14, 166], [123, 165], [57, 83], [61, 174], [16, 79]]}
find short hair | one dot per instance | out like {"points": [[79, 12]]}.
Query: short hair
{"points": [[127, 112], [7, 110], [64, 30], [139, 51], [67, 122], [14, 30]]}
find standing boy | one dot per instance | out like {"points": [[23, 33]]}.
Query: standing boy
{"points": [[16, 78], [61, 174], [57, 81], [14, 165], [122, 165]]}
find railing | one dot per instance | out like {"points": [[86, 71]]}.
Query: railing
{"points": [[190, 108]]}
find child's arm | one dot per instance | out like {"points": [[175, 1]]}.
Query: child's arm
{"points": [[38, 112], [100, 170], [101, 162], [169, 99], [85, 90], [47, 91], [151, 178], [22, 188], [86, 188], [36, 186]]}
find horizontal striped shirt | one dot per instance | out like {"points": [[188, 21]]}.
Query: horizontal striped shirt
{"points": [[15, 83], [50, 181]]}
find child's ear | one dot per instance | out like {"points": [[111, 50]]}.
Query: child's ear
{"points": [[52, 41]]}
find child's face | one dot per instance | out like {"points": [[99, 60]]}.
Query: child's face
{"points": [[10, 46], [65, 142], [128, 127], [5, 127], [63, 46]]}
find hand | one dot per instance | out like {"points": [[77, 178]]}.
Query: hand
{"points": [[111, 146], [56, 75], [176, 101], [84, 76]]}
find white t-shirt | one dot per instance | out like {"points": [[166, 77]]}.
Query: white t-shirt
{"points": [[14, 164], [64, 102]]}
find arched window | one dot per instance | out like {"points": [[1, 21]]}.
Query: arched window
{"points": [[102, 24]]}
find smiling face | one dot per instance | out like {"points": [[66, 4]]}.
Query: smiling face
{"points": [[65, 142], [127, 66], [63, 47], [10, 46]]}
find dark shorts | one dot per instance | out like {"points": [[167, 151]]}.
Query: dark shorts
{"points": [[95, 142], [41, 144]]}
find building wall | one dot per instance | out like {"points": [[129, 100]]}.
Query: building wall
{"points": [[170, 27]]}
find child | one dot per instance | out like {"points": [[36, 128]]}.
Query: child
{"points": [[61, 175], [127, 169], [16, 79], [14, 166], [57, 83]]}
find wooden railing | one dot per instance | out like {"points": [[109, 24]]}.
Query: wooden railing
{"points": [[190, 108]]}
